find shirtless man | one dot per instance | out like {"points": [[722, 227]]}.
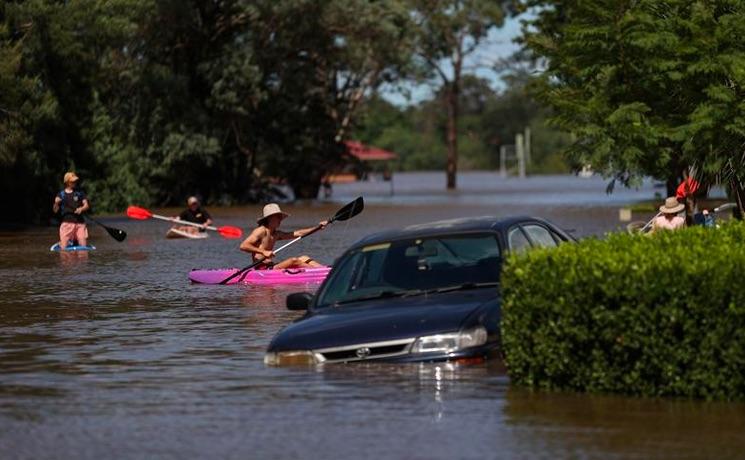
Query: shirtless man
{"points": [[260, 243]]}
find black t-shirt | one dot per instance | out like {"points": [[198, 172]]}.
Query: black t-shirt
{"points": [[199, 216], [71, 202]]}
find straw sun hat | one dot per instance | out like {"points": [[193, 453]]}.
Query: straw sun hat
{"points": [[270, 210], [671, 206]]}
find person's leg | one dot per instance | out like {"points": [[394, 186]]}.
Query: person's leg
{"points": [[297, 262], [66, 233], [307, 262], [291, 262], [81, 234]]}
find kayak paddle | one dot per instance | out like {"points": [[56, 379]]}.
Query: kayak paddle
{"points": [[138, 213], [119, 235], [347, 212]]}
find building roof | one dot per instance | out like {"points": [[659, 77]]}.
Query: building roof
{"points": [[368, 153]]}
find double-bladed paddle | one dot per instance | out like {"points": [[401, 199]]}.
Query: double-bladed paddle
{"points": [[347, 212], [136, 212]]}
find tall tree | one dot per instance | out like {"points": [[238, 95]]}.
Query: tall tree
{"points": [[647, 87], [447, 32]]}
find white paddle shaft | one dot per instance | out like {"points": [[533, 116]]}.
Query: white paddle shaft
{"points": [[183, 222]]}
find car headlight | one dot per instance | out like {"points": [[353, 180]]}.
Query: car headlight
{"points": [[450, 342], [290, 358]]}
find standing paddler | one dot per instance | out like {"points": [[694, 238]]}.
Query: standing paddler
{"points": [[71, 203], [260, 243]]}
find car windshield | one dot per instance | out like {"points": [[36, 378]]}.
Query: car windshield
{"points": [[413, 267]]}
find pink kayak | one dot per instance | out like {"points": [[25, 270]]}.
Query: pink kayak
{"points": [[261, 277]]}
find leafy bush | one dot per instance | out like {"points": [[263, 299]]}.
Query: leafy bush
{"points": [[659, 315]]}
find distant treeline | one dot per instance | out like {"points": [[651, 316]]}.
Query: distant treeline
{"points": [[150, 101], [488, 120]]}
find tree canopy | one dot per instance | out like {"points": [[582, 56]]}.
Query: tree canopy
{"points": [[646, 87], [154, 100]]}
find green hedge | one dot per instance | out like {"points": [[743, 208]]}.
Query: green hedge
{"points": [[657, 315]]}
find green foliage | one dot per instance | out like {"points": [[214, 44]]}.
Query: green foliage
{"points": [[152, 101], [488, 120], [648, 87], [654, 316]]}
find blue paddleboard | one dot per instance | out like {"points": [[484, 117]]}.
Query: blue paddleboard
{"points": [[71, 248]]}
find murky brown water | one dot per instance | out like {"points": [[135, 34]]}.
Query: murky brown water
{"points": [[114, 354]]}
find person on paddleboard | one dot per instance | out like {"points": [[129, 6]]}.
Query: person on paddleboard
{"points": [[260, 243], [196, 214], [71, 203]]}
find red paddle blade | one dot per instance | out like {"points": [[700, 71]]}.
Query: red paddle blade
{"points": [[138, 213], [230, 232]]}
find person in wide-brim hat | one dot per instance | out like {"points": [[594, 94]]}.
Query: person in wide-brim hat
{"points": [[669, 218], [272, 209], [260, 243]]}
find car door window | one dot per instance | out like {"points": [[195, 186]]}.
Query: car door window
{"points": [[540, 236], [517, 240]]}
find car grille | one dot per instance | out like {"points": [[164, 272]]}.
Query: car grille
{"points": [[364, 351]]}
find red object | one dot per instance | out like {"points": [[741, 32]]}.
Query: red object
{"points": [[138, 213], [687, 188], [230, 232], [366, 153]]}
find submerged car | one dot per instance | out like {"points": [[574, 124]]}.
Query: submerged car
{"points": [[423, 293]]}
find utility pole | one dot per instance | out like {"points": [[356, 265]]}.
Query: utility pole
{"points": [[503, 160], [520, 152]]}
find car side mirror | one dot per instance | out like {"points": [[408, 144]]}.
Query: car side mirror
{"points": [[299, 300]]}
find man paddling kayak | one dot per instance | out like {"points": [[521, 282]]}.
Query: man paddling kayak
{"points": [[71, 203], [260, 243], [196, 214]]}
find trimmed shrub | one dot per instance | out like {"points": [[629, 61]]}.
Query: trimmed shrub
{"points": [[653, 316]]}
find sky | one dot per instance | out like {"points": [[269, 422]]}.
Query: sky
{"points": [[498, 45]]}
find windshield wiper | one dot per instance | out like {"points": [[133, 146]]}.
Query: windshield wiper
{"points": [[467, 286], [417, 292], [380, 295]]}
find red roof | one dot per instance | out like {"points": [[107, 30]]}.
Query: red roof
{"points": [[368, 153]]}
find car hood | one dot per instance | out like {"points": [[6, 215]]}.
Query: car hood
{"points": [[383, 319]]}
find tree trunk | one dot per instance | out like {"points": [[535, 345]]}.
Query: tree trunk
{"points": [[739, 194], [671, 185], [451, 102]]}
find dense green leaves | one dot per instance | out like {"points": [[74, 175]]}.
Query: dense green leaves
{"points": [[659, 315], [648, 87], [154, 100]]}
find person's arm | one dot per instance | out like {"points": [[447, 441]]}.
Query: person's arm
{"points": [[85, 207], [207, 217], [251, 245], [55, 206], [305, 231]]}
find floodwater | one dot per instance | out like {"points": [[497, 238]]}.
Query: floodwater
{"points": [[114, 354]]}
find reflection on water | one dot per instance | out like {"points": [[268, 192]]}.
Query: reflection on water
{"points": [[69, 261], [115, 352]]}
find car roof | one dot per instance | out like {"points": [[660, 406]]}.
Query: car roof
{"points": [[449, 226]]}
